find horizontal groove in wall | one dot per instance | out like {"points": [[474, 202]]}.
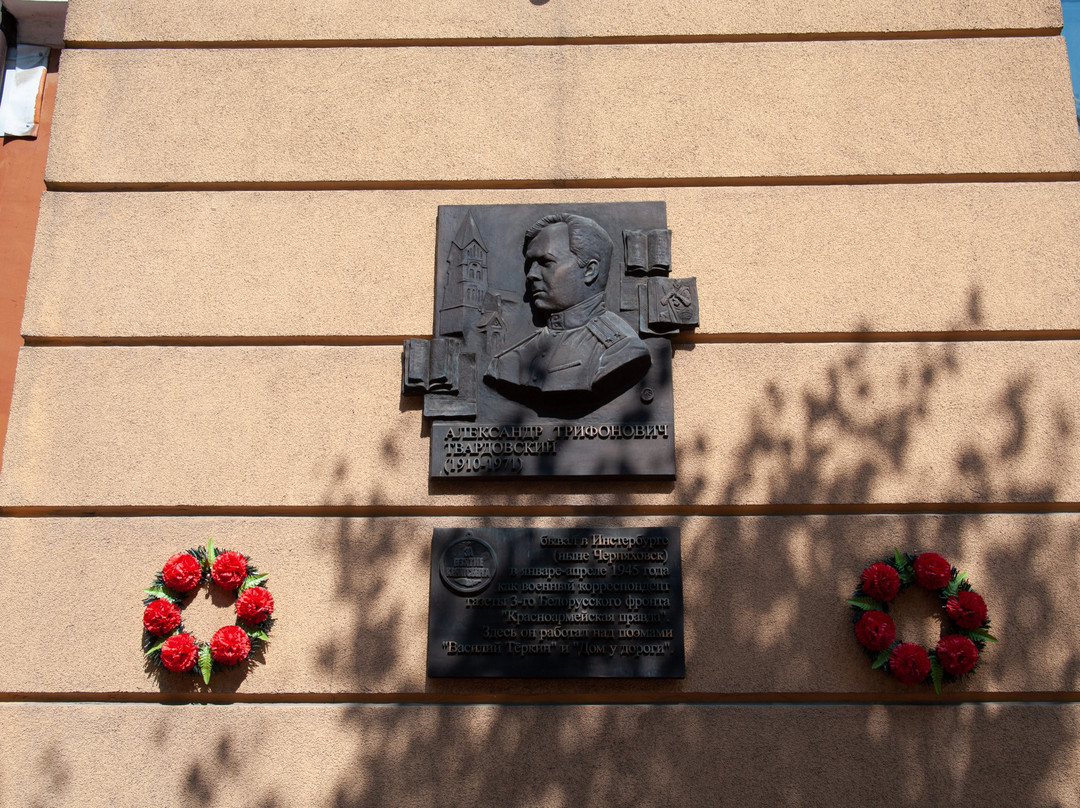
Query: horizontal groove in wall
{"points": [[32, 341], [495, 510], [549, 699], [881, 336], [594, 182], [840, 36], [806, 338]]}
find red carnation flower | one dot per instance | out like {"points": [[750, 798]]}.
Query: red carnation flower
{"points": [[875, 630], [179, 653], [909, 663], [932, 571], [255, 605], [229, 645], [229, 569], [160, 617], [182, 572], [881, 581], [957, 654], [967, 609]]}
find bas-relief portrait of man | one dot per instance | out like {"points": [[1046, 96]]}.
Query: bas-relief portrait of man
{"points": [[551, 353], [581, 348]]}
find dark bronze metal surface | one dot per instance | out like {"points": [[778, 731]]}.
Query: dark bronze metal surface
{"points": [[551, 354], [581, 602]]}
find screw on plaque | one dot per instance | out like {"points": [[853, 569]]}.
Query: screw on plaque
{"points": [[647, 395]]}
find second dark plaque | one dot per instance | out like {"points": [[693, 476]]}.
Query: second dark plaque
{"points": [[529, 602]]}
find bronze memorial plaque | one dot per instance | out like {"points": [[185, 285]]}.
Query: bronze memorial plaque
{"points": [[551, 353], [567, 602]]}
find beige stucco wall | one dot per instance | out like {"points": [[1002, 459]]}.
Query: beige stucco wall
{"points": [[881, 203], [542, 114], [770, 260], [739, 643], [540, 755], [135, 21], [755, 425]]}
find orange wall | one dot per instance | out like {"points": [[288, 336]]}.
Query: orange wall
{"points": [[22, 180]]}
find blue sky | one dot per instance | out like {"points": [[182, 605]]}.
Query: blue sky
{"points": [[1071, 9]]}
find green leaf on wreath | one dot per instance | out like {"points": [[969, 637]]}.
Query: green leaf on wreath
{"points": [[154, 648], [205, 662], [253, 580], [903, 566], [979, 634], [954, 585], [157, 592], [937, 673], [211, 553], [867, 604], [881, 658], [259, 635]]}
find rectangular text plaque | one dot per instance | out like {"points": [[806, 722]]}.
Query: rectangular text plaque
{"points": [[571, 602]]}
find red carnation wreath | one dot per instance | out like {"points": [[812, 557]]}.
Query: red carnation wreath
{"points": [[956, 654], [165, 642]]}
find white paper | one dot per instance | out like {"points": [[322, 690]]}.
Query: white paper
{"points": [[23, 74]]}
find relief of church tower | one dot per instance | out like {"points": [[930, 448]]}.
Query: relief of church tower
{"points": [[466, 280]]}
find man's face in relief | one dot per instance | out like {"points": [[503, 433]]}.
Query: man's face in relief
{"points": [[553, 277]]}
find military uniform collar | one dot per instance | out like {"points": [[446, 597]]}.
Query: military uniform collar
{"points": [[577, 315]]}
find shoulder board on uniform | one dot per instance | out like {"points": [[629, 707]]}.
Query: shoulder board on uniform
{"points": [[607, 334]]}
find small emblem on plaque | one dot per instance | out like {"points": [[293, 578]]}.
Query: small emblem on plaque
{"points": [[467, 565]]}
